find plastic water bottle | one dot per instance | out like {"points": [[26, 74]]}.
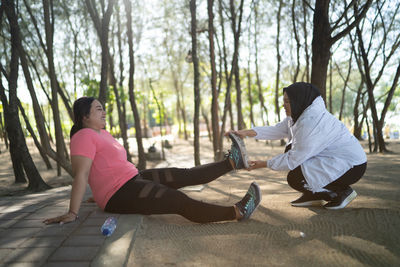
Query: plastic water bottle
{"points": [[109, 226]]}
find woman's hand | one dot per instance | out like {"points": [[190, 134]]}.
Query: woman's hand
{"points": [[257, 164], [66, 218], [242, 133]]}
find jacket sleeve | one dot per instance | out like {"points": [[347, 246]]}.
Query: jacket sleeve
{"points": [[307, 142], [276, 132]]}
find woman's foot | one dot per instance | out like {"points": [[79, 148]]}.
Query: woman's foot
{"points": [[238, 153], [308, 199], [342, 199], [249, 202]]}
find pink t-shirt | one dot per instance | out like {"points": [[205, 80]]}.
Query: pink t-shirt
{"points": [[110, 168]]}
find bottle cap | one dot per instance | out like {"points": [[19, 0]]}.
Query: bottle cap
{"points": [[106, 232]]}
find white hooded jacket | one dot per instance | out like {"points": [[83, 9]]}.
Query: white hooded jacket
{"points": [[321, 145]]}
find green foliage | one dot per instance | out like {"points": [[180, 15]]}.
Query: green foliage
{"points": [[394, 105], [91, 87]]}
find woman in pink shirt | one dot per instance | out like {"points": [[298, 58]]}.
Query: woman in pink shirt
{"points": [[119, 187]]}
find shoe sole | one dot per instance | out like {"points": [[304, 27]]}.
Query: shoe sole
{"points": [[259, 195], [308, 203], [242, 148], [345, 202], [258, 192]]}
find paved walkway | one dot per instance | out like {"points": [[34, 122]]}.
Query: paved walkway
{"points": [[26, 241]]}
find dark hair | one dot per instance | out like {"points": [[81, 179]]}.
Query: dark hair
{"points": [[301, 95], [81, 109]]}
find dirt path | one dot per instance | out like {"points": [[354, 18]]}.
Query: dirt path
{"points": [[363, 234]]}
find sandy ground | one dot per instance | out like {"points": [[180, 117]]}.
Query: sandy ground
{"points": [[363, 234]]}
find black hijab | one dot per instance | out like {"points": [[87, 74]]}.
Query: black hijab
{"points": [[301, 95]]}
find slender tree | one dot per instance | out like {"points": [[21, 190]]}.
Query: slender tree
{"points": [[237, 31], [49, 20], [214, 91], [278, 59], [298, 45], [196, 85], [132, 97], [385, 51], [102, 25], [263, 108], [19, 151], [345, 83]]}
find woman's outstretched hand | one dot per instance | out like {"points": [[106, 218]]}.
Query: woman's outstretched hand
{"points": [[66, 218], [240, 133], [257, 164]]}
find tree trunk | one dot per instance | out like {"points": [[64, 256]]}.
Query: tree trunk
{"points": [[207, 122], [228, 78], [160, 116], [258, 80], [119, 93], [298, 45], [305, 32], [45, 136], [214, 92], [101, 26], [196, 85], [330, 84], [11, 129], [323, 41], [39, 118], [49, 27], [121, 116], [250, 95], [236, 29], [278, 60], [132, 98], [3, 133], [370, 87], [321, 45], [390, 96], [13, 125], [357, 125], [183, 113], [346, 80], [35, 140]]}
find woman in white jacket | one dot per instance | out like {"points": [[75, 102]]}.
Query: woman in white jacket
{"points": [[323, 158]]}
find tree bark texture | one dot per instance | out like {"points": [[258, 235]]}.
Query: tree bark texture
{"points": [[18, 146], [278, 59], [101, 25], [323, 40], [214, 92], [237, 29], [196, 85], [132, 98], [49, 28]]}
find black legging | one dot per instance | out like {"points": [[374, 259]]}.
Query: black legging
{"points": [[154, 191], [297, 181]]}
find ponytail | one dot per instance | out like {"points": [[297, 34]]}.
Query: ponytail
{"points": [[73, 130], [81, 109]]}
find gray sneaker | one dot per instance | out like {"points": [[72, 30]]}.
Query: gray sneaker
{"points": [[249, 202], [238, 152]]}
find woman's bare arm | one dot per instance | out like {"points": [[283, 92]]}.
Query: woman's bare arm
{"points": [[81, 168]]}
